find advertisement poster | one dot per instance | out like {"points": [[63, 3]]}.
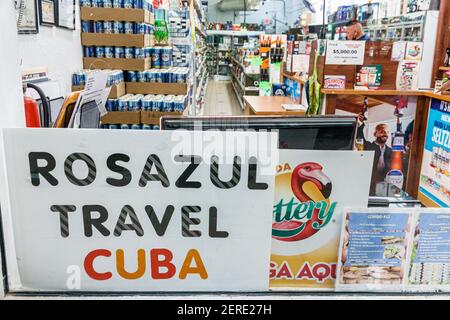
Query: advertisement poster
{"points": [[435, 173], [387, 129], [398, 51], [345, 52], [311, 190], [373, 251], [430, 258], [408, 75], [173, 211], [414, 51]]}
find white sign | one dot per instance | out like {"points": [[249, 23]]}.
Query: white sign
{"points": [[138, 210], [345, 52]]}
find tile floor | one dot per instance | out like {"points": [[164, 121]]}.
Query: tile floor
{"points": [[221, 100]]}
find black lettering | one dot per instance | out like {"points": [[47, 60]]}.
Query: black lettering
{"points": [[252, 176], [135, 225], [160, 226], [68, 169], [160, 176], [236, 175], [63, 211], [213, 232], [35, 170], [111, 162], [90, 222], [187, 221], [182, 180]]}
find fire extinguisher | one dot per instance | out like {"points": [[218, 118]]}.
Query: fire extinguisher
{"points": [[33, 116]]}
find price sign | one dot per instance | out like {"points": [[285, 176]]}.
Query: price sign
{"points": [[345, 52]]}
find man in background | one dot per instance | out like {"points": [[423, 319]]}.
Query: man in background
{"points": [[355, 31], [383, 153]]}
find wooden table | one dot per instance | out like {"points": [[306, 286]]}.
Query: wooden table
{"points": [[267, 106]]}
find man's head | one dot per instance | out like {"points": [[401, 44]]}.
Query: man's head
{"points": [[381, 133], [354, 30]]}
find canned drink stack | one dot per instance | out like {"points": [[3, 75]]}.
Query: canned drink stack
{"points": [[98, 27], [119, 52], [166, 55], [128, 27], [118, 27], [156, 61], [129, 53], [85, 3], [99, 52], [109, 52], [107, 4]]}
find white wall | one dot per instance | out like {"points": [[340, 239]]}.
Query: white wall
{"points": [[55, 48]]}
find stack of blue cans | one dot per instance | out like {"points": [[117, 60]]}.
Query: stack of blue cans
{"points": [[136, 4], [116, 27], [115, 52], [171, 75], [79, 78], [162, 57], [156, 103]]}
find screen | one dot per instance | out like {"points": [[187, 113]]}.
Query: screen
{"points": [[299, 133]]}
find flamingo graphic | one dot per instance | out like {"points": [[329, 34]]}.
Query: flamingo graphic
{"points": [[309, 184]]}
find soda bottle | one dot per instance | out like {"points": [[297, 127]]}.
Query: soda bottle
{"points": [[395, 174]]}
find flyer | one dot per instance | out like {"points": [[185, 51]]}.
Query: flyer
{"points": [[414, 51], [311, 191], [398, 51], [334, 82], [408, 75], [374, 250], [430, 258], [345, 52]]}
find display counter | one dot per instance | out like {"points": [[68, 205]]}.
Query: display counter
{"points": [[264, 106]]}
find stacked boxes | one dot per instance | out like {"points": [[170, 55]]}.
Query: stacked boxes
{"points": [[128, 4], [171, 75]]}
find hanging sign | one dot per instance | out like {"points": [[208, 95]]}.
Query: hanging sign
{"points": [[138, 210], [311, 190], [345, 52]]}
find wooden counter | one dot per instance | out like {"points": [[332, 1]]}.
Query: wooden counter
{"points": [[266, 106]]}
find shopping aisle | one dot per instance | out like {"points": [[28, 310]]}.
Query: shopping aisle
{"points": [[221, 100]]}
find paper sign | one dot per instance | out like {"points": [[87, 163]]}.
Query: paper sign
{"points": [[311, 191], [414, 51], [398, 51], [435, 173], [345, 52], [138, 210], [374, 249]]}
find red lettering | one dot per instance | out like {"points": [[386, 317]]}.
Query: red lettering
{"points": [[284, 272], [89, 264], [166, 263], [321, 271], [273, 270], [305, 272], [333, 271]]}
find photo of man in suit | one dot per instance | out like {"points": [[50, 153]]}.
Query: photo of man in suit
{"points": [[383, 153]]}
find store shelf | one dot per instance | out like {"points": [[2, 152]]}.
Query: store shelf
{"points": [[444, 68], [237, 62], [234, 33], [238, 96], [294, 78], [241, 85], [200, 31]]}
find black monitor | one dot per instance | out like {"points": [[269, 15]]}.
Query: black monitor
{"points": [[298, 133]]}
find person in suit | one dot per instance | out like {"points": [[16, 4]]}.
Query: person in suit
{"points": [[383, 153]]}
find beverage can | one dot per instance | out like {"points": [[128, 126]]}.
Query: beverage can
{"points": [[85, 26], [98, 25], [107, 4], [128, 27], [139, 53], [166, 55], [132, 77], [99, 52], [147, 127], [128, 4], [129, 53], [156, 61], [124, 126], [89, 52], [109, 52], [85, 3], [117, 3], [119, 52], [118, 27], [167, 104], [136, 127], [108, 26]]}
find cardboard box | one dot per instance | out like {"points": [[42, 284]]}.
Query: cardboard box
{"points": [[152, 117], [156, 88], [117, 90], [117, 14], [117, 40], [122, 117], [121, 64]]}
